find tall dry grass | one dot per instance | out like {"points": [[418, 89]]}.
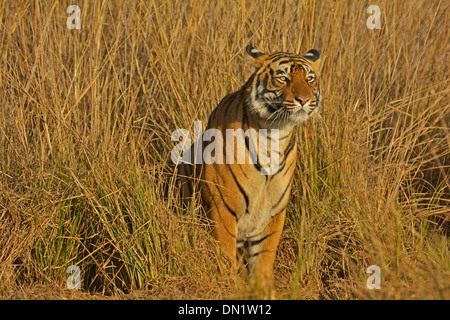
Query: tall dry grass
{"points": [[85, 129]]}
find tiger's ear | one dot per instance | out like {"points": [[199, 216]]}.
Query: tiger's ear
{"points": [[255, 57], [312, 55]]}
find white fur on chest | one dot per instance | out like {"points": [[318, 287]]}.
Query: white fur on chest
{"points": [[264, 195], [264, 191]]}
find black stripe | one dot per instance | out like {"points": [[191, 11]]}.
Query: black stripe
{"points": [[256, 164], [288, 187], [284, 208], [284, 137], [291, 144], [240, 188], [272, 81], [264, 82], [257, 83], [283, 166], [280, 169], [278, 54], [288, 59], [287, 170], [288, 150], [245, 119], [256, 242], [247, 144], [225, 101], [257, 253], [276, 58], [247, 140], [233, 213], [215, 204], [290, 147], [212, 116]]}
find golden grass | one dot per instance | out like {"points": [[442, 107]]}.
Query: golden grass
{"points": [[85, 129]]}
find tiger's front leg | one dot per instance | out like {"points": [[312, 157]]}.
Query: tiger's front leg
{"points": [[262, 252], [224, 231]]}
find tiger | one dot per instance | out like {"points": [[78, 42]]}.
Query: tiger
{"points": [[247, 205]]}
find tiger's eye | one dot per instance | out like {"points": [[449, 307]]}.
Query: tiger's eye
{"points": [[310, 79], [282, 79]]}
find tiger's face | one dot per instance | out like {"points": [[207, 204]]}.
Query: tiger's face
{"points": [[285, 88]]}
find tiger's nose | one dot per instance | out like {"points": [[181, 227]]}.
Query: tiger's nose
{"points": [[302, 100]]}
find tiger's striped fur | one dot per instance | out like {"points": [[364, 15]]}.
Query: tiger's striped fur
{"points": [[248, 208]]}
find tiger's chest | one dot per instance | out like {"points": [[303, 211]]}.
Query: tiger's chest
{"points": [[255, 186], [268, 196], [263, 205]]}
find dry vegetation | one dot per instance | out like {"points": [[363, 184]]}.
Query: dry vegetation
{"points": [[85, 123]]}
